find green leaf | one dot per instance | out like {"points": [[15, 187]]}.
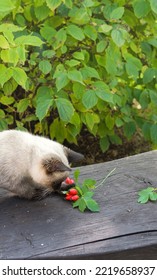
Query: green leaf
{"points": [[8, 35], [141, 8], [153, 96], [101, 46], [10, 56], [4, 27], [104, 28], [60, 38], [118, 37], [75, 75], [76, 32], [129, 129], [79, 16], [143, 199], [104, 144], [58, 130], [68, 3], [7, 100], [48, 53], [48, 33], [149, 75], [87, 195], [6, 6], [10, 86], [72, 62], [78, 90], [53, 4], [59, 69], [144, 99], [89, 72], [115, 139], [153, 133], [76, 203], [81, 204], [117, 13], [3, 125], [146, 131], [28, 40], [76, 175], [65, 109], [19, 76], [91, 119], [79, 55], [89, 99], [153, 42], [109, 120], [119, 122], [144, 195], [153, 5], [75, 120], [79, 189], [3, 42], [5, 74], [113, 59], [92, 205], [133, 66], [21, 51], [2, 114], [104, 95], [90, 32], [153, 196], [90, 183], [42, 12], [44, 100], [45, 66], [22, 105], [61, 81]]}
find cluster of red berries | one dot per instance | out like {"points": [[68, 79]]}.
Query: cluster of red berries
{"points": [[72, 194]]}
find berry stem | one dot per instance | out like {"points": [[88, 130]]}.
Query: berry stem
{"points": [[109, 174]]}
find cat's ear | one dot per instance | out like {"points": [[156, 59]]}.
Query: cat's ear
{"points": [[54, 165], [73, 156]]}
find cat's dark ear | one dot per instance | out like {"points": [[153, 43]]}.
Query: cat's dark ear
{"points": [[73, 156], [54, 165]]}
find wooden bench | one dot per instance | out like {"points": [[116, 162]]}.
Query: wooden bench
{"points": [[52, 229]]}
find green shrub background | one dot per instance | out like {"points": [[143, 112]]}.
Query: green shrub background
{"points": [[66, 65]]}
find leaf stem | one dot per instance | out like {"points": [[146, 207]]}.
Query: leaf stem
{"points": [[109, 174]]}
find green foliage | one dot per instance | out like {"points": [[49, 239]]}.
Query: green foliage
{"points": [[148, 194], [86, 192], [66, 65]]}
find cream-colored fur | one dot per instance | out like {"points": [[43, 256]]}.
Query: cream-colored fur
{"points": [[25, 163]]}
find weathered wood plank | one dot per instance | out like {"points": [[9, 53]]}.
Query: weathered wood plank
{"points": [[52, 229]]}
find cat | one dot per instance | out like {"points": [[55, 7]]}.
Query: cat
{"points": [[33, 166]]}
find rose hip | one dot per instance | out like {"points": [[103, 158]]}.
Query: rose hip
{"points": [[69, 181], [68, 197], [74, 197], [73, 191]]}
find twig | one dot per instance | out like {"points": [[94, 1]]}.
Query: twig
{"points": [[106, 177]]}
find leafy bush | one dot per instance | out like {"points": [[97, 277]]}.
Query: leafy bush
{"points": [[65, 65]]}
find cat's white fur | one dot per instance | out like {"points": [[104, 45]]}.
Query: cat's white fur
{"points": [[31, 166]]}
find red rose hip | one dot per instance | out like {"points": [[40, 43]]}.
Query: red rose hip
{"points": [[73, 191], [74, 197], [69, 181], [68, 197]]}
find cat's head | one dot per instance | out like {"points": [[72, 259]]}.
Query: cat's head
{"points": [[54, 169]]}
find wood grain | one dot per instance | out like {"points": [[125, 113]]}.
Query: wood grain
{"points": [[51, 228]]}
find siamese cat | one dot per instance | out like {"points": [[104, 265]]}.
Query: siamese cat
{"points": [[33, 166]]}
